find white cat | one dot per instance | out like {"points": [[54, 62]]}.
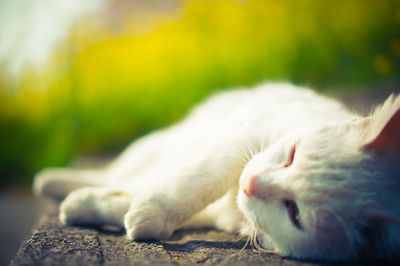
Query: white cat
{"points": [[309, 178]]}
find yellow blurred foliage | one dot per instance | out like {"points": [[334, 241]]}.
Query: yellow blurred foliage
{"points": [[112, 80]]}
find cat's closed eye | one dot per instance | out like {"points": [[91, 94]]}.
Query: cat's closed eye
{"points": [[293, 212], [290, 158]]}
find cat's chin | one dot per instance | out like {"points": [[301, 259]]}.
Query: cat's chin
{"points": [[249, 207], [246, 205]]}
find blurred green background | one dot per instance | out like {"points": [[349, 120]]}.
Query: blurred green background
{"points": [[130, 67]]}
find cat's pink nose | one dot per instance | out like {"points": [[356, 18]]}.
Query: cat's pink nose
{"points": [[250, 186]]}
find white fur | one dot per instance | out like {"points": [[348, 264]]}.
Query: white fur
{"points": [[194, 173]]}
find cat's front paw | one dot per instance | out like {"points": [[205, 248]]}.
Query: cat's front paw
{"points": [[79, 208], [95, 206], [150, 220]]}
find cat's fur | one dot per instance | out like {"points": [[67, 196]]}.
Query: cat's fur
{"points": [[310, 178]]}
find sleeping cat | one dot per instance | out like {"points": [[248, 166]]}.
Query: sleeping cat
{"points": [[279, 163]]}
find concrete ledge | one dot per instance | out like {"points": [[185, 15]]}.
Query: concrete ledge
{"points": [[52, 243]]}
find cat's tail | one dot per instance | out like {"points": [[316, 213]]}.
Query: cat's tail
{"points": [[57, 183]]}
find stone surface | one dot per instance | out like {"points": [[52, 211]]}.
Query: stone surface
{"points": [[52, 243]]}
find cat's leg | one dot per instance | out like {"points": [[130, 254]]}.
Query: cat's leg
{"points": [[223, 214], [95, 206], [157, 212], [56, 183]]}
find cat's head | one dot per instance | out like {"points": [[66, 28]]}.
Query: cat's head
{"points": [[332, 192]]}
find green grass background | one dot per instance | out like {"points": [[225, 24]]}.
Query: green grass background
{"points": [[110, 82]]}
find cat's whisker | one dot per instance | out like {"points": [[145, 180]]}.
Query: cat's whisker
{"points": [[240, 156], [258, 146], [245, 245], [244, 147], [249, 145], [254, 240], [249, 237], [257, 241], [263, 143], [243, 156], [260, 143]]}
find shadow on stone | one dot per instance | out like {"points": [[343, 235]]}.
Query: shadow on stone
{"points": [[193, 245]]}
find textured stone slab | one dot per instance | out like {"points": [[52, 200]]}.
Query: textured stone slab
{"points": [[52, 243]]}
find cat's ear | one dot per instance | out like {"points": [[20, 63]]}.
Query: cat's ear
{"points": [[388, 138]]}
